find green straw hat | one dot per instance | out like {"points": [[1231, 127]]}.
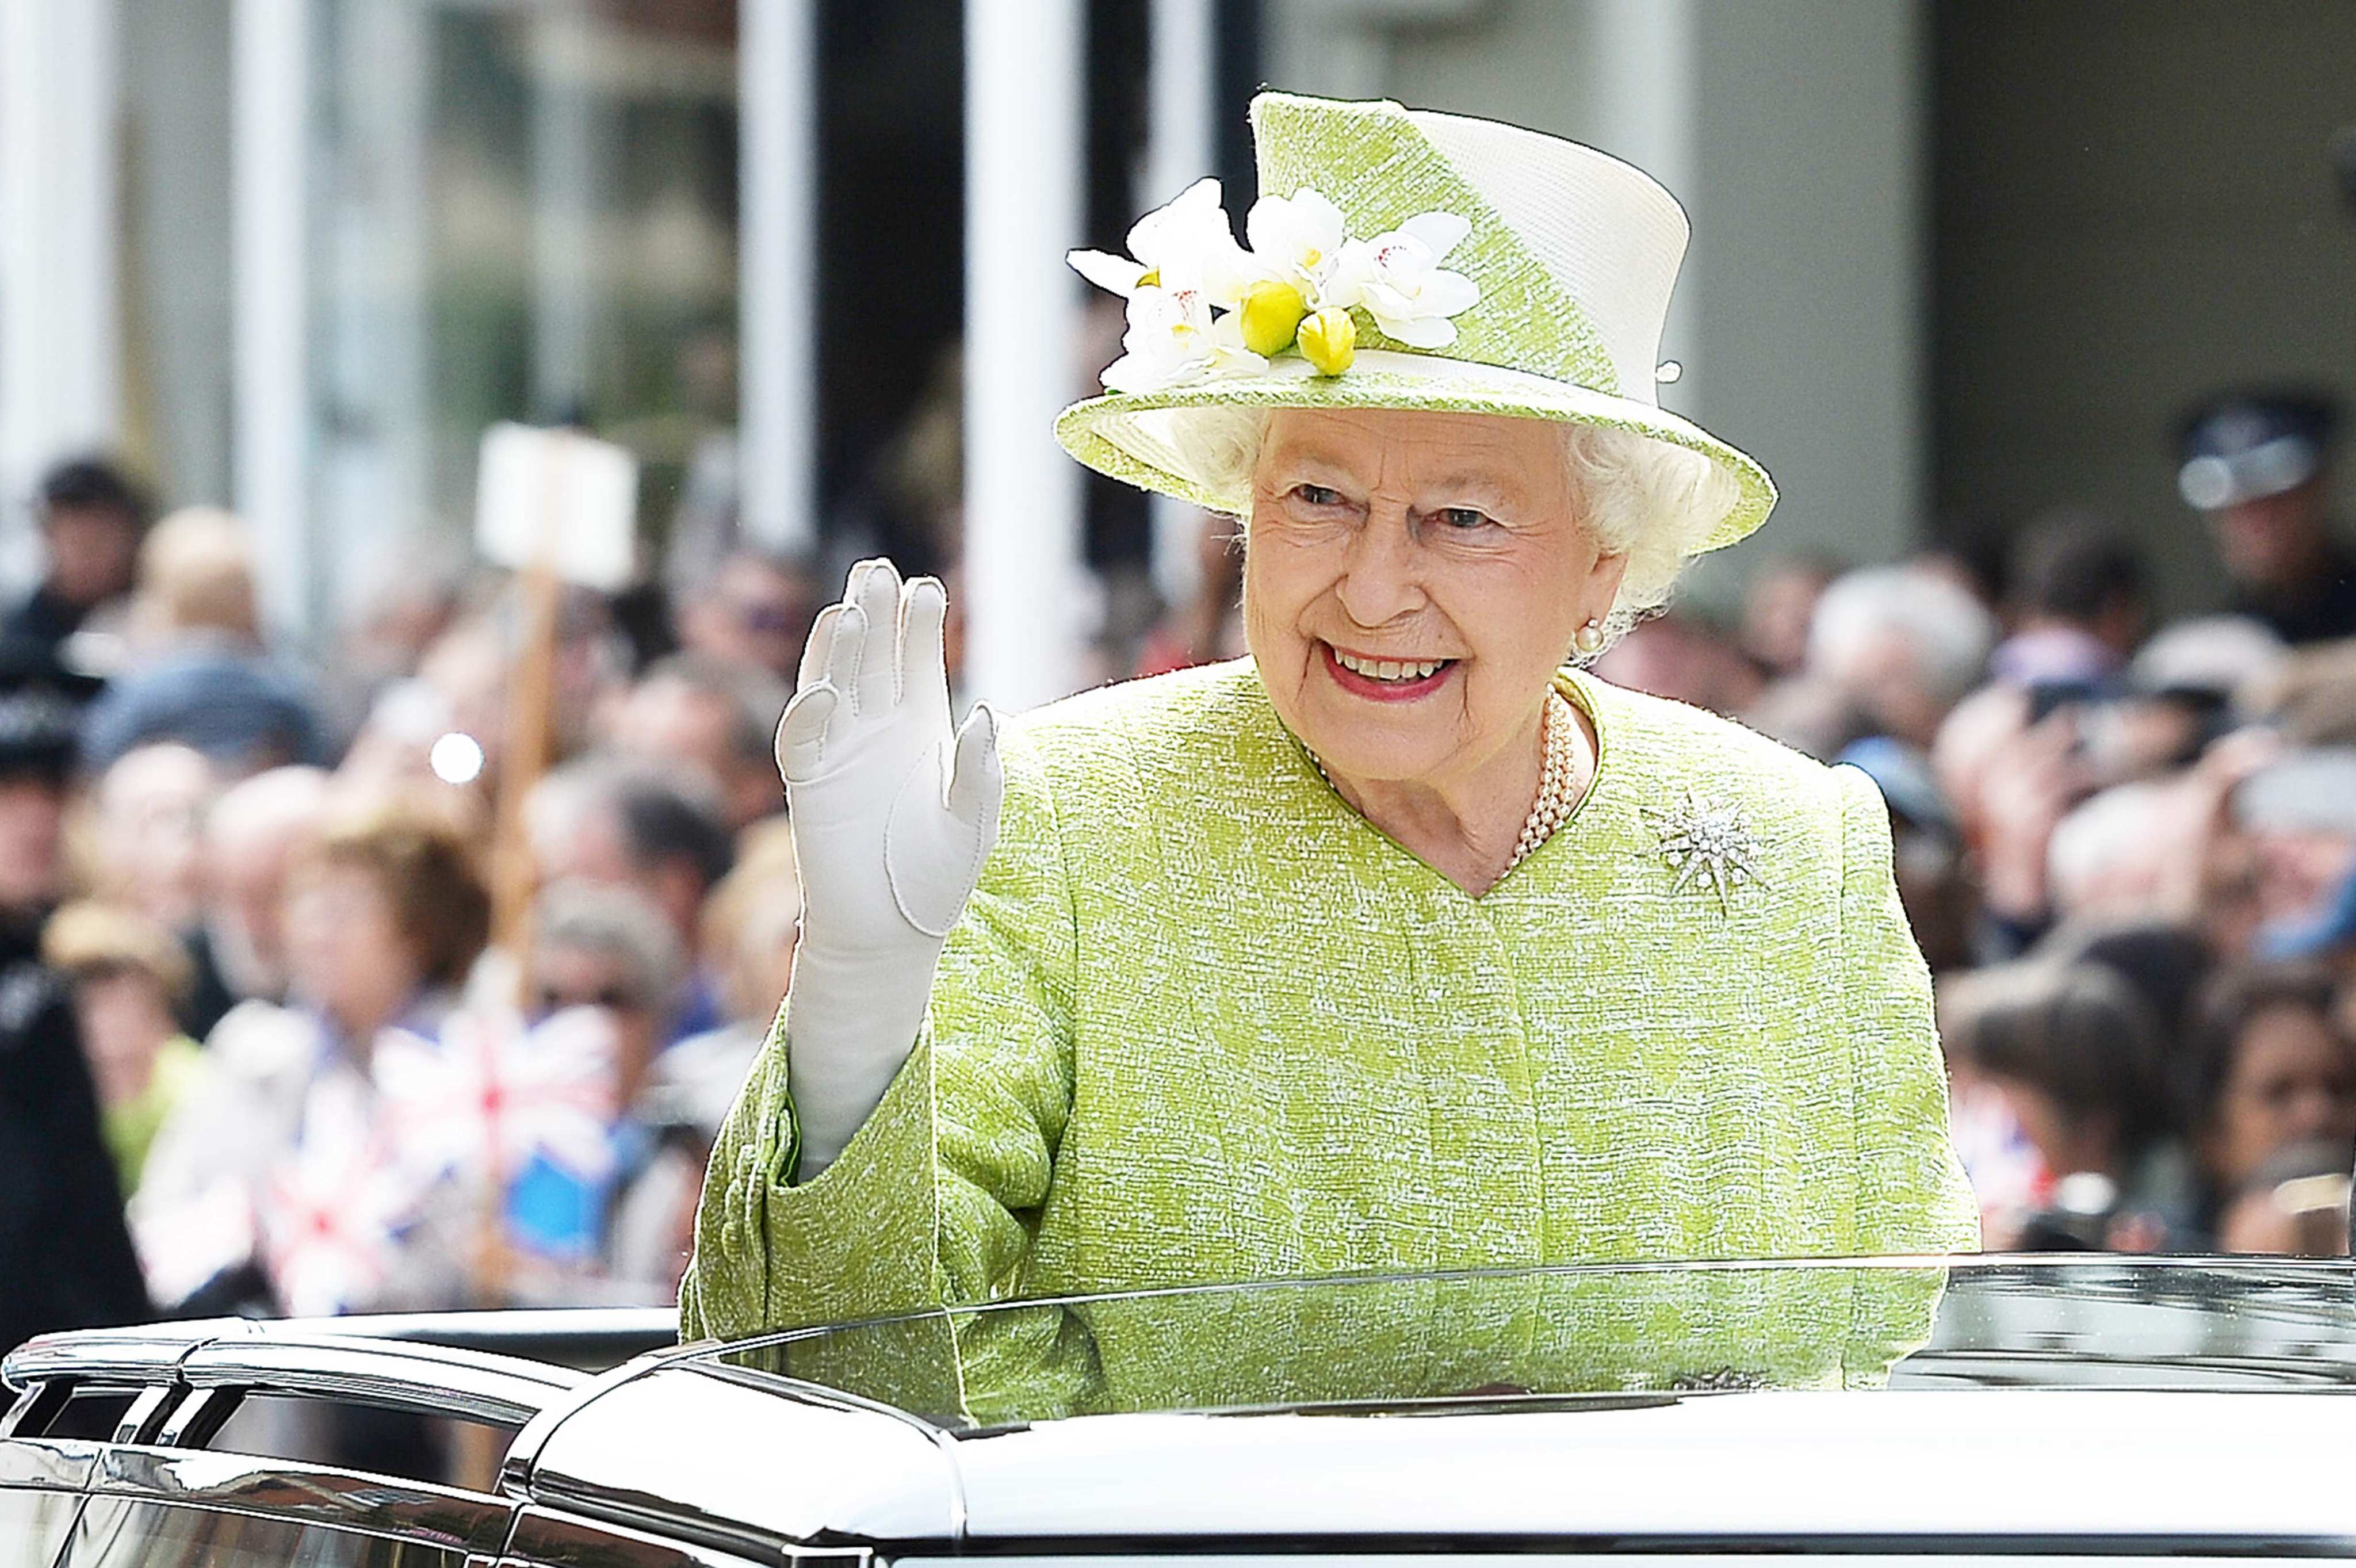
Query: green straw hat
{"points": [[1409, 259]]}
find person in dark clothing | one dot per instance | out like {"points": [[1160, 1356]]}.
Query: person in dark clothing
{"points": [[2257, 466], [65, 1253], [92, 518]]}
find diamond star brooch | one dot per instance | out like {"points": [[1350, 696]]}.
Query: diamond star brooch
{"points": [[1709, 845]]}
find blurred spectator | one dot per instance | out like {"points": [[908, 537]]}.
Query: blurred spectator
{"points": [[583, 1234], [2164, 964], [1902, 645], [129, 977], [1208, 627], [2309, 695], [65, 1259], [199, 673], [751, 923], [600, 821], [1779, 605], [144, 839], [412, 599], [2297, 814], [1935, 881], [2294, 1204], [1676, 657], [757, 610], [2080, 605], [2266, 1066], [254, 833], [280, 1176], [605, 946], [2114, 857], [2069, 1056], [90, 519], [2257, 466], [719, 719], [2212, 658]]}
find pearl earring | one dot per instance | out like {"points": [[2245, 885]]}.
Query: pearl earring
{"points": [[1589, 638]]}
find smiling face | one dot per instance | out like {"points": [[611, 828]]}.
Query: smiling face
{"points": [[1411, 583]]}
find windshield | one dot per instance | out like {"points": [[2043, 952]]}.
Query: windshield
{"points": [[1509, 1336]]}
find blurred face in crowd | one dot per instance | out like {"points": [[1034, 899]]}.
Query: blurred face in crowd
{"points": [[669, 721], [150, 838], [246, 909], [92, 550], [125, 1018], [347, 953], [755, 614], [251, 839], [32, 818], [2275, 542], [1777, 609], [1412, 581], [568, 976], [2292, 1080]]}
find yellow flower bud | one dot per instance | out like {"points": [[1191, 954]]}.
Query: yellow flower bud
{"points": [[1270, 312], [1329, 340]]}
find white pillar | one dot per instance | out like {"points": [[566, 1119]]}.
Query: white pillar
{"points": [[60, 349], [776, 273], [269, 72], [373, 487], [1025, 589], [1181, 145]]}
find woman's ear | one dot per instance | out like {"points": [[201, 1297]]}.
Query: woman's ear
{"points": [[1601, 592]]}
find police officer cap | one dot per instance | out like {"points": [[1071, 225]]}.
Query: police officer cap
{"points": [[2249, 445], [41, 708]]}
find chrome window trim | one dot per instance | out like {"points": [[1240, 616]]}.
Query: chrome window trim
{"points": [[396, 1373], [547, 1537], [147, 1411], [503, 1389]]}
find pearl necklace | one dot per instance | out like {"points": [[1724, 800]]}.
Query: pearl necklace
{"points": [[1557, 775]]}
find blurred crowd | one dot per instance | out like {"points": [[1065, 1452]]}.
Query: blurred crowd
{"points": [[2127, 848], [275, 1040], [272, 1038]]}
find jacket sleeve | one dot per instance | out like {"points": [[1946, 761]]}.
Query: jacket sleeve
{"points": [[936, 1199], [1911, 1194]]}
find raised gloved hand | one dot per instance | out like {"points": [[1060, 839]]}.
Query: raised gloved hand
{"points": [[892, 816]]}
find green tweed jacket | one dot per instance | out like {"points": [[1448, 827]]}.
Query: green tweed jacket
{"points": [[1201, 1022]]}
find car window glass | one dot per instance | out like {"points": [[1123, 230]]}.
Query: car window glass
{"points": [[114, 1533], [33, 1526], [404, 1445], [1589, 1332]]}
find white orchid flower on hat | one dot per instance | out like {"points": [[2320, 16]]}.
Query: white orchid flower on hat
{"points": [[1397, 278], [1183, 247], [1296, 239], [1174, 341]]}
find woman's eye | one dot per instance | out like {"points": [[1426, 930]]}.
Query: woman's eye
{"points": [[1461, 517], [1316, 495]]}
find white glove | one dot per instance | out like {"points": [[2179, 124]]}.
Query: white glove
{"points": [[892, 817]]}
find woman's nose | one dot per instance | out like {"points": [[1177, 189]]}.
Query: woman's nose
{"points": [[1380, 582]]}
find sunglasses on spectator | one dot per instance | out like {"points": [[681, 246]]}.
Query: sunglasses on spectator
{"points": [[763, 617], [613, 997]]}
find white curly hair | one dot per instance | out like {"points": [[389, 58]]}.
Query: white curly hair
{"points": [[1651, 500]]}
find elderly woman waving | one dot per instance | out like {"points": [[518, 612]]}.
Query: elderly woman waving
{"points": [[1399, 945]]}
